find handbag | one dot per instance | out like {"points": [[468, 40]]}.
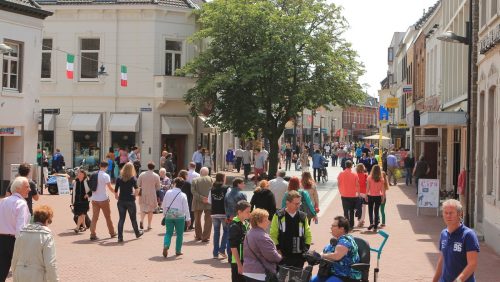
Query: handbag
{"points": [[270, 276], [163, 219]]}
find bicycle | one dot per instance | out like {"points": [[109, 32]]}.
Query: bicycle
{"points": [[324, 171]]}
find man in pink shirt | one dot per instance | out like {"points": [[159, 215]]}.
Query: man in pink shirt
{"points": [[14, 215], [348, 184]]}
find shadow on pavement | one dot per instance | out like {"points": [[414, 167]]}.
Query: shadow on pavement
{"points": [[69, 233], [217, 263], [162, 259]]}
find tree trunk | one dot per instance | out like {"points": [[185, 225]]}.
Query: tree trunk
{"points": [[273, 155]]}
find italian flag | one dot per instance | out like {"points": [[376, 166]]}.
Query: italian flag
{"points": [[123, 76], [70, 59]]}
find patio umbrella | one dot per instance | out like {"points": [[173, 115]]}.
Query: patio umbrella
{"points": [[376, 137]]}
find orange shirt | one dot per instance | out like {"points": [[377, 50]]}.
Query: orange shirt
{"points": [[347, 181], [375, 187], [362, 182]]}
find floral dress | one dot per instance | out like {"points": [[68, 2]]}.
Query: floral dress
{"points": [[342, 268]]}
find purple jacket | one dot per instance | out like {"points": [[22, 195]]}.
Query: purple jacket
{"points": [[263, 247]]}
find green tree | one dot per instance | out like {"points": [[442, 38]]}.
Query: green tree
{"points": [[267, 60]]}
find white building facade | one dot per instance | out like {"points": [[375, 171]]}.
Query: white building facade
{"points": [[487, 213], [21, 30], [97, 114]]}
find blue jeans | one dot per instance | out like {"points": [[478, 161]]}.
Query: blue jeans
{"points": [[408, 175], [170, 224], [220, 245]]}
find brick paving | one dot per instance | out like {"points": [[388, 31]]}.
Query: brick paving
{"points": [[410, 254]]}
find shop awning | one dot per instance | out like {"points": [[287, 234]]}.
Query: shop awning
{"points": [[85, 122], [124, 122], [49, 122], [176, 125], [442, 119]]}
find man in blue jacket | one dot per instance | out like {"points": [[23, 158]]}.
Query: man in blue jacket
{"points": [[318, 161]]}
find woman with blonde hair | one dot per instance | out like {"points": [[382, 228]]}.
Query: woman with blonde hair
{"points": [[34, 257], [259, 251], [309, 186], [376, 192], [263, 198], [126, 190]]}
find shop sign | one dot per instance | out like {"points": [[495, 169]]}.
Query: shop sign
{"points": [[63, 185], [408, 89], [428, 194], [10, 131], [392, 103], [490, 40]]}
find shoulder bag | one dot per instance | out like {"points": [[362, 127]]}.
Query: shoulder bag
{"points": [[163, 220], [270, 276]]}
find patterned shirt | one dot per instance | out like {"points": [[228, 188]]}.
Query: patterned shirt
{"points": [[342, 268]]}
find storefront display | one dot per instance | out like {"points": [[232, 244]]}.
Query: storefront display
{"points": [[86, 149]]}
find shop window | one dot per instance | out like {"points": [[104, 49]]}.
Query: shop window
{"points": [[86, 150], [89, 58], [12, 66], [46, 58]]}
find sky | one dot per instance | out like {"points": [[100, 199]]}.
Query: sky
{"points": [[372, 24]]}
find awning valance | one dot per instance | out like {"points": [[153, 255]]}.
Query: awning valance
{"points": [[85, 122], [124, 122], [176, 125], [442, 119]]}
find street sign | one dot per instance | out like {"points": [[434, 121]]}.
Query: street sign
{"points": [[408, 88], [392, 102], [51, 111], [428, 194]]}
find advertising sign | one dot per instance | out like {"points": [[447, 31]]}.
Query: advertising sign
{"points": [[392, 103], [428, 194], [63, 185], [10, 131]]}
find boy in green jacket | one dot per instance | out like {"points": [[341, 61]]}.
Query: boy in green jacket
{"points": [[237, 232]]}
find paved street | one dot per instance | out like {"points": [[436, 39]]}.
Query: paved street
{"points": [[410, 254]]}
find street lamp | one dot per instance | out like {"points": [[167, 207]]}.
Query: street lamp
{"points": [[353, 127], [449, 36], [333, 129], [320, 131]]}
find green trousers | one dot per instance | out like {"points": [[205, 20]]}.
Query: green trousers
{"points": [[170, 224]]}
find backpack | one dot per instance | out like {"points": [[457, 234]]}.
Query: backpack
{"points": [[93, 181]]}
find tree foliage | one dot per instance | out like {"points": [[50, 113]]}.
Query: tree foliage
{"points": [[267, 60]]}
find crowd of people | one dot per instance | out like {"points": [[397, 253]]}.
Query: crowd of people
{"points": [[257, 236]]}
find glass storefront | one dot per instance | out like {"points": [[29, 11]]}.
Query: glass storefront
{"points": [[123, 140], [86, 149], [47, 143]]}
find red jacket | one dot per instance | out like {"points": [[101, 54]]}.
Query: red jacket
{"points": [[461, 182]]}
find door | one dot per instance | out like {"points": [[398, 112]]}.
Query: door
{"points": [[175, 144], [431, 156]]}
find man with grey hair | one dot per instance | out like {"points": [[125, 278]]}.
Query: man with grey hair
{"points": [[14, 215], [458, 245], [279, 186], [200, 187]]}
